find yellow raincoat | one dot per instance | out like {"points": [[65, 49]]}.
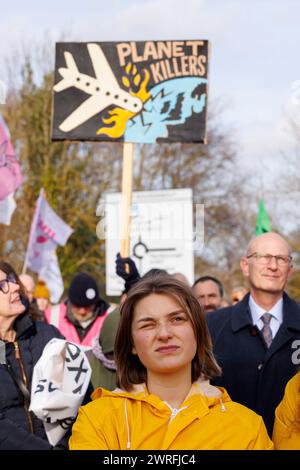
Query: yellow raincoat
{"points": [[286, 433], [207, 419]]}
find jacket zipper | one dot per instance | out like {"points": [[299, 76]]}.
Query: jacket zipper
{"points": [[174, 411], [24, 378]]}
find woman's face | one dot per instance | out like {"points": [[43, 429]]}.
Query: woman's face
{"points": [[163, 334], [10, 301]]}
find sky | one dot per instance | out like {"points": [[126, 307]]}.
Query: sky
{"points": [[254, 61]]}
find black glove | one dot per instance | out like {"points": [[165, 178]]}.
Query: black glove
{"points": [[130, 277]]}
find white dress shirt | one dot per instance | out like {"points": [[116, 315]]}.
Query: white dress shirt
{"points": [[276, 311]]}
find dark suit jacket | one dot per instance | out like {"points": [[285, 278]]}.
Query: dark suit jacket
{"points": [[252, 374]]}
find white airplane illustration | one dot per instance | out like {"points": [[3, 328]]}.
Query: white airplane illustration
{"points": [[104, 89]]}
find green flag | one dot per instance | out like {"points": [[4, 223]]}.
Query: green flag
{"points": [[263, 224]]}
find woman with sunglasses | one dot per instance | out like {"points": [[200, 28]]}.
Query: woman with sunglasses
{"points": [[164, 362], [21, 344]]}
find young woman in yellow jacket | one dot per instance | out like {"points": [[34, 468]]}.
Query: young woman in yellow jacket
{"points": [[286, 433], [164, 363]]}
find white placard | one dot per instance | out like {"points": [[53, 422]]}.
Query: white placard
{"points": [[161, 233]]}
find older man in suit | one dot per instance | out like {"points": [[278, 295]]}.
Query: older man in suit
{"points": [[253, 340]]}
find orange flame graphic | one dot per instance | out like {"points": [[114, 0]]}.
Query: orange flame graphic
{"points": [[119, 116]]}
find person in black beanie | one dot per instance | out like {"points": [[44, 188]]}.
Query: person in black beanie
{"points": [[81, 316]]}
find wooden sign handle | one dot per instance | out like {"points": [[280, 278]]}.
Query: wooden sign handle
{"points": [[127, 178]]}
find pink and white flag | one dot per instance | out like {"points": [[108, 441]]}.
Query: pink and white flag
{"points": [[7, 208], [10, 173], [48, 231], [51, 275]]}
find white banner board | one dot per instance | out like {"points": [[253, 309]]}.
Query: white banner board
{"points": [[161, 233]]}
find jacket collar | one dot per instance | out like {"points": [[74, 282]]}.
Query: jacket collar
{"points": [[201, 392], [291, 313], [241, 315], [23, 325], [290, 324], [201, 386]]}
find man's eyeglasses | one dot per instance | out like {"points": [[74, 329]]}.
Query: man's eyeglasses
{"points": [[4, 287], [264, 260]]}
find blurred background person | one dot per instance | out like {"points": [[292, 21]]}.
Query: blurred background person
{"points": [[28, 283], [181, 277], [237, 294], [225, 302], [42, 296], [209, 291], [81, 316]]}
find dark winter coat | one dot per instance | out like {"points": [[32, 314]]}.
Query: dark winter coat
{"points": [[20, 429], [252, 374]]}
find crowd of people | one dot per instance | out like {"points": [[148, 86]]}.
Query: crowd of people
{"points": [[173, 366]]}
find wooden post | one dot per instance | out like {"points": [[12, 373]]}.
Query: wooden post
{"points": [[127, 178]]}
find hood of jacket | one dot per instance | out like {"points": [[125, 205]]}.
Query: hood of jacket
{"points": [[109, 331], [201, 390], [24, 325]]}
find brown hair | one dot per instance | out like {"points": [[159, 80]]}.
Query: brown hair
{"points": [[8, 269], [130, 370]]}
